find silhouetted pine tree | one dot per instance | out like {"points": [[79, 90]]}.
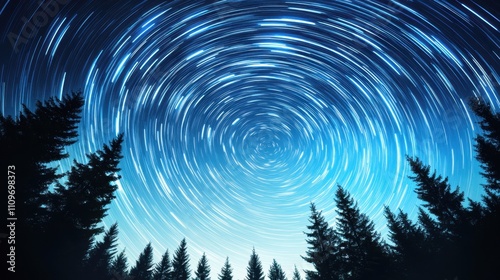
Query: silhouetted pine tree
{"points": [[276, 272], [119, 267], [254, 269], [363, 255], [180, 263], [98, 263], [203, 270], [226, 272], [296, 274], [487, 232], [439, 199], [29, 144], [488, 151], [409, 247], [449, 234], [163, 270], [434, 236], [143, 269], [78, 207], [322, 251]]}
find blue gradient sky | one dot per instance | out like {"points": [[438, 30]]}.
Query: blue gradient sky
{"points": [[238, 114]]}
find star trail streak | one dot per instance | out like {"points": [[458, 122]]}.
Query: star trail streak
{"points": [[238, 114]]}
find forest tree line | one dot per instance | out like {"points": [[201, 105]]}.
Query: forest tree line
{"points": [[59, 232]]}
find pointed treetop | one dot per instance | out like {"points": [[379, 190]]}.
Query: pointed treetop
{"points": [[296, 274], [254, 269], [180, 263], [203, 270], [143, 268], [488, 152], [226, 271], [163, 270], [437, 195], [276, 272], [119, 266]]}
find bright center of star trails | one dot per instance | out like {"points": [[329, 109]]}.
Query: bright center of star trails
{"points": [[238, 114]]}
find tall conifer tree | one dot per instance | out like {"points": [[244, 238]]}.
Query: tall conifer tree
{"points": [[488, 151], [33, 141], [203, 270], [226, 272], [446, 222], [254, 268], [119, 266], [29, 144], [487, 233], [296, 274], [143, 268], [276, 272], [362, 254], [78, 208], [322, 250], [180, 263], [163, 270], [98, 263], [409, 247], [439, 199]]}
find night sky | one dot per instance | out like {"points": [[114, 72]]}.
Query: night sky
{"points": [[238, 114]]}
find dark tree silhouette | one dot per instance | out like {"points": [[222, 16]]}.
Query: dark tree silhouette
{"points": [[180, 263], [276, 272], [143, 269], [56, 228], [119, 267], [487, 232], [296, 274], [78, 207], [449, 228], [33, 141], [60, 215], [98, 263], [163, 270], [226, 272], [203, 270], [322, 250], [29, 144], [254, 268], [488, 151], [409, 247], [439, 199], [362, 253]]}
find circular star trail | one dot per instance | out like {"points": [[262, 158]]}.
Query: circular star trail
{"points": [[238, 114]]}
